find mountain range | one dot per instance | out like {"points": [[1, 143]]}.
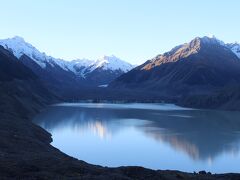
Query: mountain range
{"points": [[202, 73], [205, 72], [59, 74]]}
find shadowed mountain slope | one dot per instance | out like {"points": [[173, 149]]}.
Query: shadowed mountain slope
{"points": [[201, 66]]}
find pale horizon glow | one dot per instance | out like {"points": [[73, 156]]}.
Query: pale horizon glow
{"points": [[134, 31]]}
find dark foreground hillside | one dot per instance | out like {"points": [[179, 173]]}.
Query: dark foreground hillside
{"points": [[25, 150]]}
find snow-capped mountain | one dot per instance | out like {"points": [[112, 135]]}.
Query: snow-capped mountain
{"points": [[19, 47], [111, 62], [81, 68], [104, 69], [235, 47]]}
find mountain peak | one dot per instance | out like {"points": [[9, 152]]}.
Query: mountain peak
{"points": [[112, 63], [17, 45], [205, 40], [17, 42], [210, 40], [108, 57], [185, 50], [18, 38]]}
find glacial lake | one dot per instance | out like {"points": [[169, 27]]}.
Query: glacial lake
{"points": [[156, 136]]}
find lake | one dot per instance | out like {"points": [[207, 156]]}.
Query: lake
{"points": [[156, 136]]}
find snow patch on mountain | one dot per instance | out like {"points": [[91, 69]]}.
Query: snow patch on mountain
{"points": [[85, 66], [212, 40], [18, 46], [111, 63], [235, 47]]}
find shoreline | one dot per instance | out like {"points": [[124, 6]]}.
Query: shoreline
{"points": [[26, 153]]}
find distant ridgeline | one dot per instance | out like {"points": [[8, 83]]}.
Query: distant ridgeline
{"points": [[63, 76], [203, 73]]}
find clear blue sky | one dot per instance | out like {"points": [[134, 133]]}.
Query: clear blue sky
{"points": [[134, 30]]}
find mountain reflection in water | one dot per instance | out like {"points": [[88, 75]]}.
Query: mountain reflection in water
{"points": [[196, 137]]}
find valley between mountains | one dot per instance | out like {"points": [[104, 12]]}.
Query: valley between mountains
{"points": [[204, 73]]}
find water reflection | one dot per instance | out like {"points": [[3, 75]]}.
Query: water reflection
{"points": [[203, 136], [99, 129], [199, 134]]}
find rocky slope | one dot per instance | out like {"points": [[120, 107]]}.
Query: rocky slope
{"points": [[20, 84], [201, 67]]}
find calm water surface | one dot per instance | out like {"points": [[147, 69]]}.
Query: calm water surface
{"points": [[157, 136]]}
